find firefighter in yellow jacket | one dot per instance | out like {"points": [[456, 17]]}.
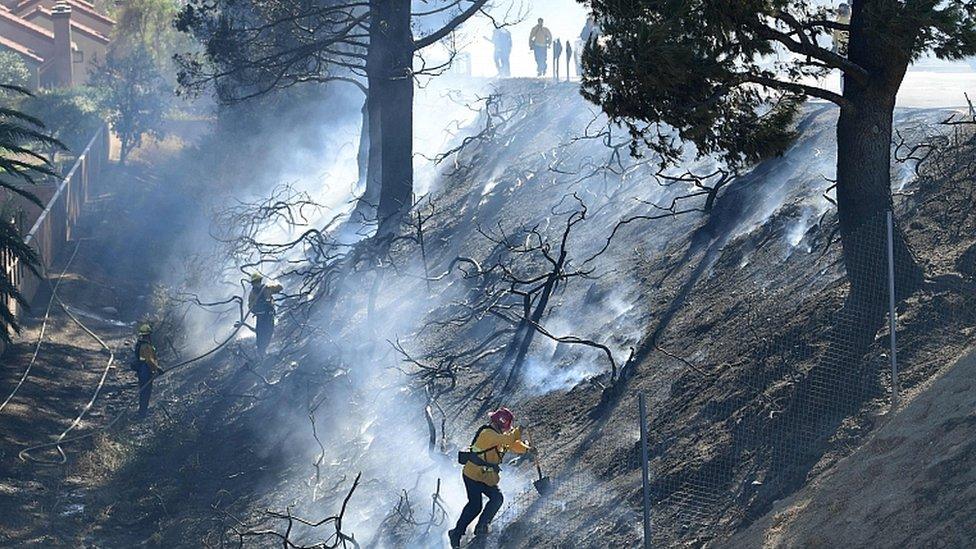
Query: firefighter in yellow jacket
{"points": [[481, 471], [260, 302], [146, 365]]}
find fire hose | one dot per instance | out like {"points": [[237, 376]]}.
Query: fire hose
{"points": [[63, 438]]}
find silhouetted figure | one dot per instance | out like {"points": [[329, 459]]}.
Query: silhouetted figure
{"points": [[569, 59], [578, 57], [502, 40], [539, 41], [591, 31], [557, 56], [842, 37]]}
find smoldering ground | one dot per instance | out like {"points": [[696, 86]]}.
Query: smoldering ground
{"points": [[338, 398]]}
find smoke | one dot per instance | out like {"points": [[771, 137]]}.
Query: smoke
{"points": [[367, 412], [345, 377]]}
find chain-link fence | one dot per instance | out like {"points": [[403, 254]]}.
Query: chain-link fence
{"points": [[761, 443], [795, 376], [793, 402], [779, 365], [730, 458]]}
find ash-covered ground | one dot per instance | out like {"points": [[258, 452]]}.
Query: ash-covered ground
{"points": [[717, 316]]}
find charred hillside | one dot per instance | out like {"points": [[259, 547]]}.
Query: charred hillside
{"points": [[547, 270]]}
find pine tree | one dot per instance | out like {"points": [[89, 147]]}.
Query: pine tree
{"points": [[730, 76]]}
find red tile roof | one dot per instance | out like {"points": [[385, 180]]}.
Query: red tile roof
{"points": [[80, 5], [21, 49], [76, 26], [41, 32]]}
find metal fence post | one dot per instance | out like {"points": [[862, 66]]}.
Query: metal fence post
{"points": [[892, 317], [644, 472]]}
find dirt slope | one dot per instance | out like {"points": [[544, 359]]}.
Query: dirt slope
{"points": [[912, 483], [727, 313], [107, 284], [49, 500]]}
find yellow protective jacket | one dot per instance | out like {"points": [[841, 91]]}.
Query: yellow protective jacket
{"points": [[491, 447], [147, 354], [540, 36], [261, 299]]}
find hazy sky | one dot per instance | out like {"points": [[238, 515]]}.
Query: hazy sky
{"points": [[930, 82], [565, 18]]}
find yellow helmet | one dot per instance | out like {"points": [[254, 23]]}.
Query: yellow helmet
{"points": [[256, 277], [145, 329]]}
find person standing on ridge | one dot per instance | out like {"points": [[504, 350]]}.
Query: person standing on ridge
{"points": [[591, 31], [260, 303], [481, 471], [502, 40], [557, 57], [539, 41], [569, 58], [842, 37], [146, 366]]}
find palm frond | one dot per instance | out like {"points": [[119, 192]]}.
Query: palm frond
{"points": [[21, 165]]}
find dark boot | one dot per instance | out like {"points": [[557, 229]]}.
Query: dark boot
{"points": [[455, 538]]}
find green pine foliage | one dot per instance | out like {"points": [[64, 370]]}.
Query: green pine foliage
{"points": [[71, 114], [730, 76]]}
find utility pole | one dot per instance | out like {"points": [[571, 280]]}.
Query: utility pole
{"points": [[645, 473]]}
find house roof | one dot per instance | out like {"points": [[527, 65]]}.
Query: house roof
{"points": [[36, 30], [21, 49], [88, 8], [75, 26]]}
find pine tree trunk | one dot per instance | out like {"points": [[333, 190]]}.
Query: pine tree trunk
{"points": [[362, 152], [371, 136], [124, 148], [374, 167], [396, 117], [369, 161], [864, 133]]}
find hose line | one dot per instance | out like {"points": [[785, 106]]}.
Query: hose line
{"points": [[40, 336]]}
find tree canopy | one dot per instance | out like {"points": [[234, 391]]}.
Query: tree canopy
{"points": [[254, 48], [251, 48], [13, 71], [73, 116], [730, 75], [134, 96], [149, 24]]}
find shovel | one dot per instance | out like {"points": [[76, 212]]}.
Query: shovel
{"points": [[544, 484]]}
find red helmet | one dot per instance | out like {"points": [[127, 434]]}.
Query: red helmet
{"points": [[502, 417]]}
